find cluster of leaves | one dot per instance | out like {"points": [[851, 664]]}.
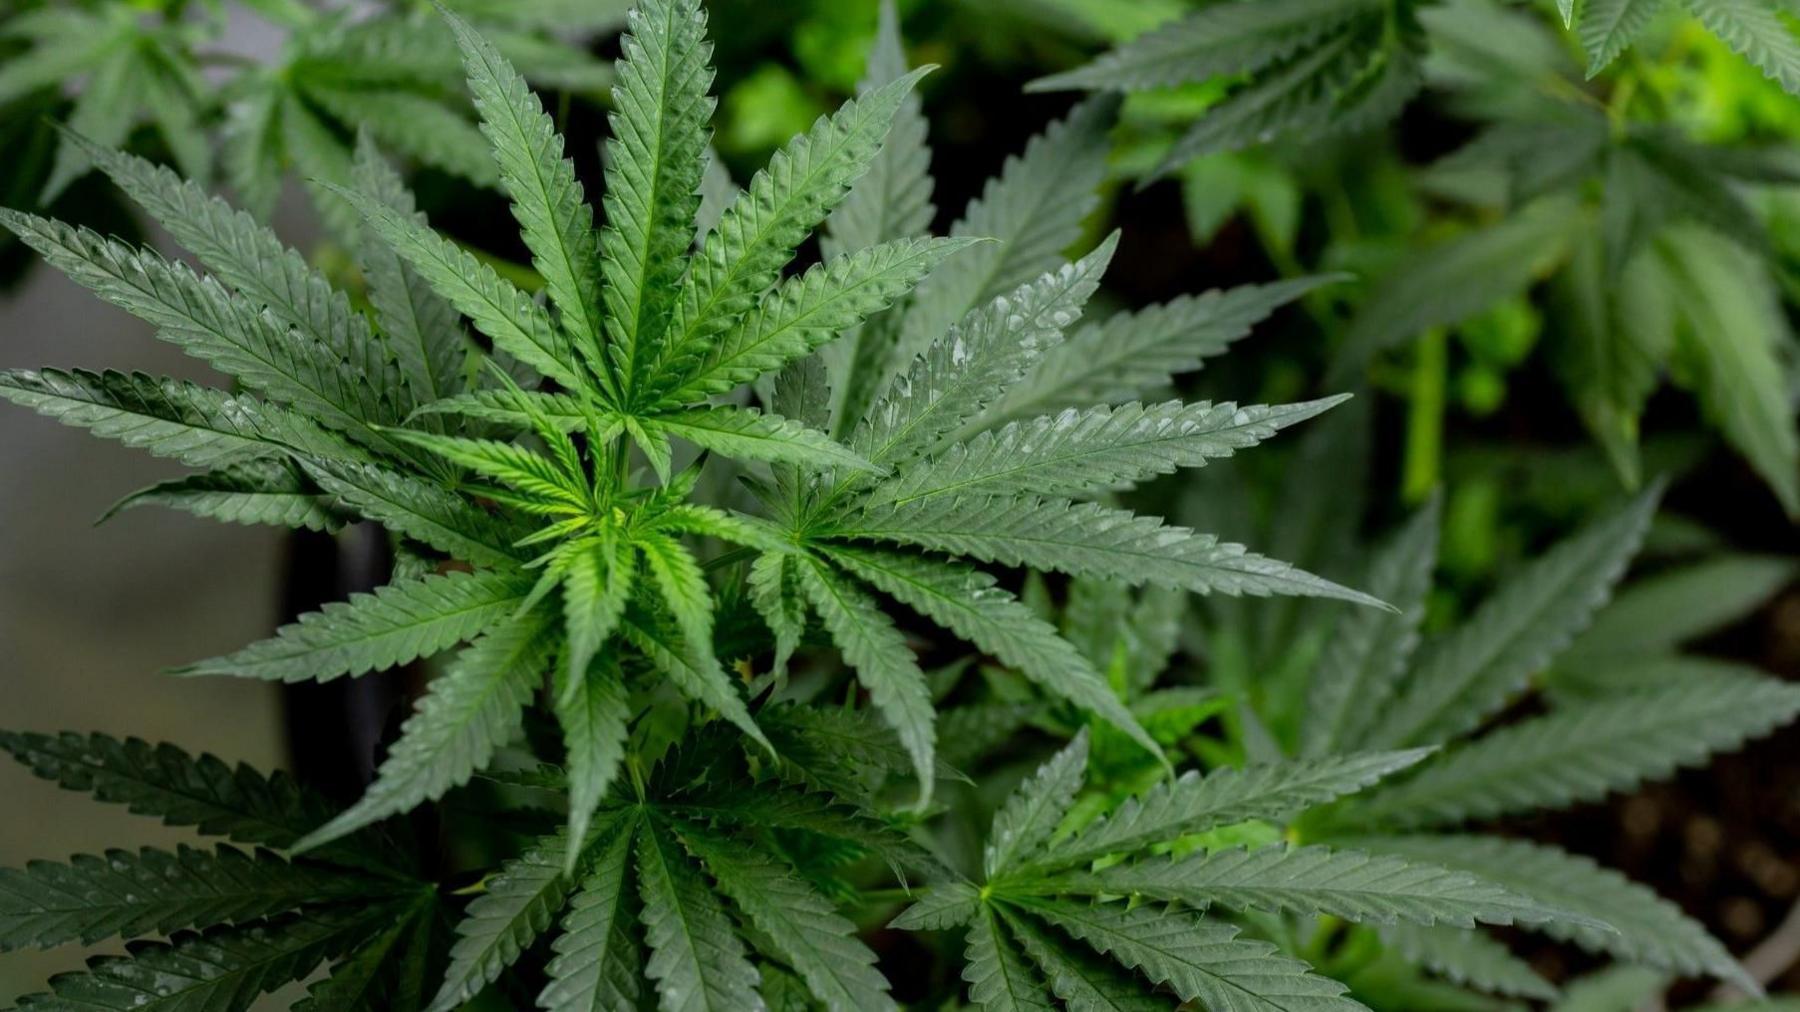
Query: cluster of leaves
{"points": [[912, 424], [1615, 703], [164, 65], [1655, 234]]}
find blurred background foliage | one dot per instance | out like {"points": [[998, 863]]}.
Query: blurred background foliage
{"points": [[1556, 286]]}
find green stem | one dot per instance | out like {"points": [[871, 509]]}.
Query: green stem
{"points": [[1425, 416]]}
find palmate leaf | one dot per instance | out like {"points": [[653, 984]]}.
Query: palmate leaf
{"points": [[157, 892], [1756, 32], [891, 201], [1447, 283], [741, 257], [557, 225], [805, 312], [472, 709], [1640, 926], [653, 174], [1081, 978], [538, 477], [1035, 808], [1034, 207], [749, 434], [197, 425], [1470, 672], [254, 492], [394, 625], [883, 662], [1086, 539], [201, 317], [517, 325], [837, 967], [1606, 27], [422, 510], [421, 328], [1194, 803], [597, 965], [1200, 960], [1584, 752], [1733, 328], [774, 591], [1301, 95], [593, 708], [1655, 615], [999, 977], [1230, 38], [423, 128], [1316, 880], [1468, 957], [1136, 354], [596, 585], [248, 257], [973, 363], [1084, 452], [518, 904], [968, 602], [771, 806], [217, 799], [223, 968], [696, 672], [1363, 662], [696, 959]]}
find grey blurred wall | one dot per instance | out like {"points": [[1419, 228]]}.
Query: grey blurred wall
{"points": [[90, 615]]}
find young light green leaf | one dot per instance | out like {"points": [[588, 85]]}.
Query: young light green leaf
{"points": [[597, 582], [419, 509]]}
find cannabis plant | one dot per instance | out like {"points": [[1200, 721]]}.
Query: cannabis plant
{"points": [[1314, 66], [689, 824], [1608, 172], [1613, 704], [394, 75]]}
